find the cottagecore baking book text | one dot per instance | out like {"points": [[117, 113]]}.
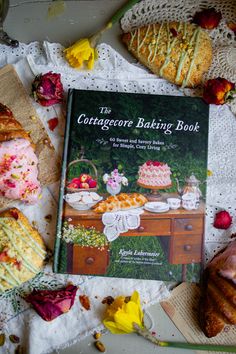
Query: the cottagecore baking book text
{"points": [[133, 186]]}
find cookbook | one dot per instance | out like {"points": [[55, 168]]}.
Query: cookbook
{"points": [[133, 186]]}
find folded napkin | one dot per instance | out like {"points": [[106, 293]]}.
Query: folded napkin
{"points": [[119, 222]]}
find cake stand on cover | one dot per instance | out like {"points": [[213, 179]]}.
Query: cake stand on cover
{"points": [[154, 191]]}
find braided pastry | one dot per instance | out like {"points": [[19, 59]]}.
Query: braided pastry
{"points": [[177, 51], [218, 303], [18, 162], [120, 201], [10, 128]]}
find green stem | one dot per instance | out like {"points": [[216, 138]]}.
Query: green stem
{"points": [[209, 347], [115, 18]]}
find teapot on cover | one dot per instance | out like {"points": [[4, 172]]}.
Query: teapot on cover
{"points": [[192, 186]]}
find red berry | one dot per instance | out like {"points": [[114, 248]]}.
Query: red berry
{"points": [[223, 220]]}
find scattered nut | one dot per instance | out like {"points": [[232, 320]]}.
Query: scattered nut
{"points": [[100, 346], [2, 339], [97, 335], [14, 339]]}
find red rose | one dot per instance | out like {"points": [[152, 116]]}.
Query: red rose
{"points": [[218, 91], [207, 18], [50, 304], [223, 220], [47, 89]]}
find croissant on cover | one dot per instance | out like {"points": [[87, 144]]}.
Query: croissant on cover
{"points": [[122, 201], [218, 302], [18, 162], [180, 52]]}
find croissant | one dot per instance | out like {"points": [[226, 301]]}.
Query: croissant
{"points": [[179, 52], [121, 201], [218, 302], [18, 162]]}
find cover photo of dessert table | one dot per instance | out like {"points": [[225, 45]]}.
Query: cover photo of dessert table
{"points": [[117, 176]]}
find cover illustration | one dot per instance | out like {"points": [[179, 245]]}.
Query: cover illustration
{"points": [[132, 195]]}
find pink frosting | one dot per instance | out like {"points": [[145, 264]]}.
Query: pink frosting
{"points": [[19, 171], [151, 175]]}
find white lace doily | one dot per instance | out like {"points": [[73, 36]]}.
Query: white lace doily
{"points": [[119, 222], [111, 73]]}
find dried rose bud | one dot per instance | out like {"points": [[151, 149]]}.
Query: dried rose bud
{"points": [[50, 304], [218, 91], [208, 18], [47, 89], [223, 220]]}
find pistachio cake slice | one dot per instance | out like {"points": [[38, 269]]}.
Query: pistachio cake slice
{"points": [[22, 250]]}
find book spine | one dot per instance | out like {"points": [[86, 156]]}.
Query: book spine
{"points": [[56, 260]]}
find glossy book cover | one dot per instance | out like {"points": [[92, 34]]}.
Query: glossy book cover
{"points": [[133, 186]]}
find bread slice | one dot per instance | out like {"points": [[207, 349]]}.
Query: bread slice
{"points": [[22, 250], [180, 52]]}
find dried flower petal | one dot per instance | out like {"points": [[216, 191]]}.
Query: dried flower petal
{"points": [[53, 123], [218, 91], [173, 32], [85, 302], [50, 304], [47, 89], [208, 18], [2, 339], [14, 339], [232, 26]]}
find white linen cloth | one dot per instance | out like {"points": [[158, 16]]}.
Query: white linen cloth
{"points": [[111, 73], [17, 317]]}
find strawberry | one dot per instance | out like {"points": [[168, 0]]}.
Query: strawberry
{"points": [[223, 220]]}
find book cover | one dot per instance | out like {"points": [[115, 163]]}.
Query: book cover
{"points": [[133, 186]]}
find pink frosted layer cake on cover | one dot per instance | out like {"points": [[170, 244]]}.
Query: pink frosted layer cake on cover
{"points": [[154, 173], [19, 171]]}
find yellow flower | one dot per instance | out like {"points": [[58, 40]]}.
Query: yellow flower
{"points": [[123, 313], [209, 173], [81, 52]]}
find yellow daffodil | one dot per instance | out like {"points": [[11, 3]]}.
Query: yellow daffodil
{"points": [[84, 52], [81, 53], [123, 313]]}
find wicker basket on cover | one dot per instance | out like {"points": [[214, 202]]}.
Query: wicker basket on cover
{"points": [[94, 176]]}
